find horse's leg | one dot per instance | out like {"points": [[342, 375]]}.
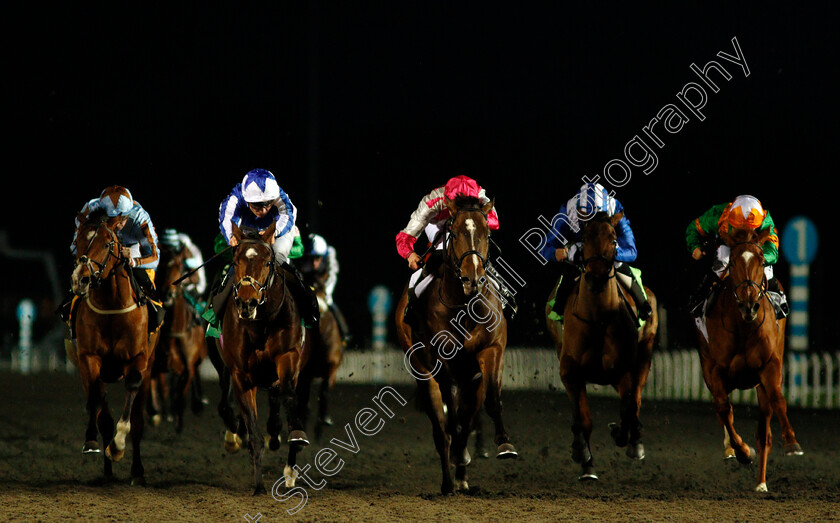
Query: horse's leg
{"points": [[771, 380], [133, 385], [471, 397], [723, 408], [197, 400], [581, 419], [478, 428], [233, 441], [489, 363], [106, 429], [429, 393], [763, 437], [94, 389], [629, 432], [153, 405], [304, 388], [274, 424], [137, 428], [247, 399]]}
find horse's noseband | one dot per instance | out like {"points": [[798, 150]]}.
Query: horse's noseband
{"points": [[87, 261]]}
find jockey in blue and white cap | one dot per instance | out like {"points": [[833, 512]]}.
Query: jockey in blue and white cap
{"points": [[325, 263], [136, 231], [565, 241], [256, 203]]}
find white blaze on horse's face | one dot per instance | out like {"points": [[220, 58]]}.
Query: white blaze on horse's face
{"points": [[250, 253], [747, 256]]}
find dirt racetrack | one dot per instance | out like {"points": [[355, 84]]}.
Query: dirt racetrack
{"points": [[394, 475]]}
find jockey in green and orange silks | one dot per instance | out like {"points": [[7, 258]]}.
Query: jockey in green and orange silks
{"points": [[744, 212]]}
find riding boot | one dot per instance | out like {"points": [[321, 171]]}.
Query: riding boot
{"points": [[778, 299], [343, 329], [304, 297], [643, 309], [700, 295], [507, 295], [564, 287], [147, 298]]}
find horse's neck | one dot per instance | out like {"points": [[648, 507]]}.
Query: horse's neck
{"points": [[114, 291], [594, 303]]}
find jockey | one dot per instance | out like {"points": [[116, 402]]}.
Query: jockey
{"points": [[256, 203], [430, 217], [137, 235], [320, 267], [179, 242], [744, 212], [564, 244]]}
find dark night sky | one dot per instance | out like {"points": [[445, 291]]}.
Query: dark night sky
{"points": [[361, 109]]}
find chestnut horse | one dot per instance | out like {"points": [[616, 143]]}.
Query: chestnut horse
{"points": [[326, 350], [182, 346], [456, 351], [113, 341], [261, 347], [745, 349], [601, 342]]}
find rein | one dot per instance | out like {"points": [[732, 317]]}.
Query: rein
{"points": [[96, 275], [261, 287], [762, 288]]}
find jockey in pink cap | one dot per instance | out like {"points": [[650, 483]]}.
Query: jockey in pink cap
{"points": [[430, 217], [432, 213]]}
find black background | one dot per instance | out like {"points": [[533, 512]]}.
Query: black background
{"points": [[361, 108]]}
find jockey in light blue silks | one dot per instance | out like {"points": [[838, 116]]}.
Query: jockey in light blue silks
{"points": [[137, 236], [256, 203], [565, 244]]}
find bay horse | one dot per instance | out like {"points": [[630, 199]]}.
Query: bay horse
{"points": [[325, 348], [182, 346], [261, 347], [601, 342], [456, 351], [113, 342], [745, 349]]}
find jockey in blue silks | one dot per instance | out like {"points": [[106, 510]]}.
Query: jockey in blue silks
{"points": [[256, 203], [564, 244]]}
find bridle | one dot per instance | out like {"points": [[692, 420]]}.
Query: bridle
{"points": [[761, 287], [449, 245], [99, 273], [609, 260], [250, 281]]}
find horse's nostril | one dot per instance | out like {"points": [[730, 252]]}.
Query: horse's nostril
{"points": [[755, 308], [252, 303], [85, 280]]}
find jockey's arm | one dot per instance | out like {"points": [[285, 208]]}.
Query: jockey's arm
{"points": [[771, 245], [703, 228], [626, 250]]}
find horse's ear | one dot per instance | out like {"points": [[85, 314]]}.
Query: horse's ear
{"points": [[615, 218], [487, 207], [81, 218], [450, 205], [114, 221], [268, 234], [726, 237], [763, 236], [235, 232]]}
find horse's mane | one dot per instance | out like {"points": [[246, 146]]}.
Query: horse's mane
{"points": [[96, 217]]}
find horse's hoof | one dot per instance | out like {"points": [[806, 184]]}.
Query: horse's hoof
{"points": [[298, 437], [588, 476], [746, 459], [581, 454], [466, 459], [326, 420], [636, 451], [506, 451], [156, 419], [232, 442], [447, 488], [114, 455], [91, 447], [139, 481], [482, 453], [461, 484], [762, 487], [615, 432], [274, 443], [259, 491], [793, 450], [729, 453]]}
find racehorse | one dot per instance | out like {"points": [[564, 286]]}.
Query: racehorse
{"points": [[182, 346], [745, 349], [456, 350], [261, 347], [113, 341], [601, 342], [326, 350]]}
